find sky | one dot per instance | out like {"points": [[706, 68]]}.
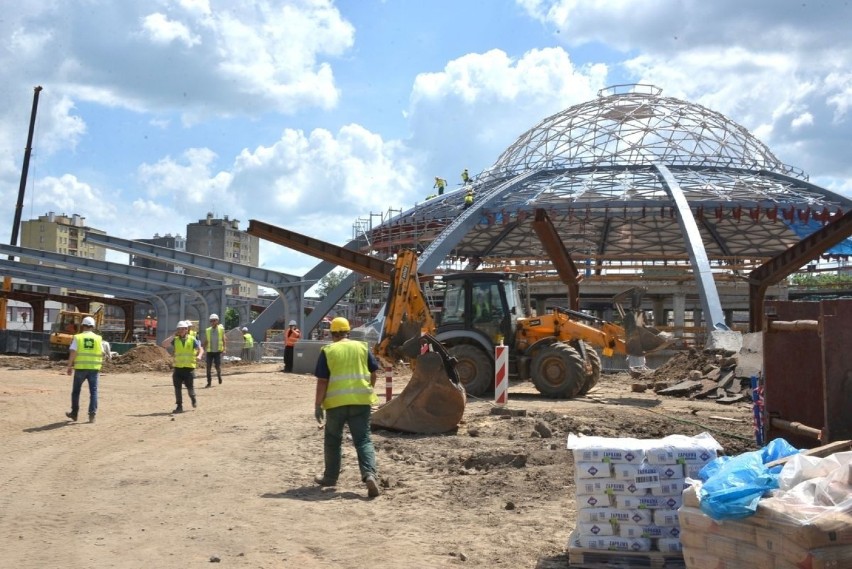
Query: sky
{"points": [[322, 116]]}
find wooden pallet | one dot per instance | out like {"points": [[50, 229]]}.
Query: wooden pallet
{"points": [[581, 558]]}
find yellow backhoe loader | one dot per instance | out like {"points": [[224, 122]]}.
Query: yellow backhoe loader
{"points": [[480, 310], [67, 324]]}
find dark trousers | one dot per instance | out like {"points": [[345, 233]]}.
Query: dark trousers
{"points": [[357, 417], [214, 358], [288, 358], [183, 376], [81, 376]]}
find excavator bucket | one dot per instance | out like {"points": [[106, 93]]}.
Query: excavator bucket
{"points": [[641, 339], [431, 403]]}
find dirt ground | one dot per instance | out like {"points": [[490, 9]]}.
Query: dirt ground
{"points": [[231, 481]]}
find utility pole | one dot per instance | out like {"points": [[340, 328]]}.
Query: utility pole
{"points": [[19, 207]]}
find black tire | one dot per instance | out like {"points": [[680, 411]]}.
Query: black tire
{"points": [[558, 371], [475, 369], [593, 377]]}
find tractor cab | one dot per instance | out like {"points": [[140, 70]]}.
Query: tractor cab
{"points": [[488, 303]]}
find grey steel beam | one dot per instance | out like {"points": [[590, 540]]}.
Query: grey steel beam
{"points": [[290, 287], [208, 292], [436, 252], [33, 274], [707, 293]]}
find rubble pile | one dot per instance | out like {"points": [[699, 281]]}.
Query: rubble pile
{"points": [[144, 357], [721, 375]]}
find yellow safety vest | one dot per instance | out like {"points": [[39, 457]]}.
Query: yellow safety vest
{"points": [[349, 383], [249, 340], [90, 353], [185, 352], [220, 347]]}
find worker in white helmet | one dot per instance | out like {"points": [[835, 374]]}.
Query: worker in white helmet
{"points": [[85, 356], [291, 336], [248, 345], [214, 344]]}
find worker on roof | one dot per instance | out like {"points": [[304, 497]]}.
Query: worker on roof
{"points": [[465, 176], [468, 198], [440, 183], [346, 376]]}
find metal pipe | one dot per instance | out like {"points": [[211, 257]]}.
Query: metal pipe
{"points": [[793, 325], [798, 428]]}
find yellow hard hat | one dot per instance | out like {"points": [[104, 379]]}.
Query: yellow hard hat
{"points": [[340, 324]]}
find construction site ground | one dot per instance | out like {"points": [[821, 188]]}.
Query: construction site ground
{"points": [[232, 481]]}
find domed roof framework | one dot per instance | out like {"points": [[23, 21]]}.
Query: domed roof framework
{"points": [[608, 172]]}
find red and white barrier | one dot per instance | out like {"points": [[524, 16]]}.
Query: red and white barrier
{"points": [[501, 375], [388, 383]]}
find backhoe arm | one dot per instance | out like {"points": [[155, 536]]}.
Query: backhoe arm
{"points": [[407, 313]]}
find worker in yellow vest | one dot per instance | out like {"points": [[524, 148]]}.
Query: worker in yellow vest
{"points": [[85, 357], [188, 352], [248, 345], [346, 376], [214, 345]]}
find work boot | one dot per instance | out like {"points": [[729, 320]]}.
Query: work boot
{"points": [[91, 417], [71, 415], [194, 403], [220, 381], [208, 385], [178, 409], [372, 486], [323, 481]]}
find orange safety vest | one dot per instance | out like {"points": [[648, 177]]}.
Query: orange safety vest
{"points": [[291, 337]]}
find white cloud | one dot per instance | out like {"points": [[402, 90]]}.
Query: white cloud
{"points": [[465, 115], [163, 31], [778, 67], [67, 194]]}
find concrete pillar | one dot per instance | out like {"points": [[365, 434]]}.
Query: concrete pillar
{"points": [[678, 309], [659, 312]]}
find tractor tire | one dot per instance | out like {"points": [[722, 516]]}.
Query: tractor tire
{"points": [[558, 371], [475, 369], [594, 376]]}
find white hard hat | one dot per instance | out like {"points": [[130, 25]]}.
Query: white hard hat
{"points": [[244, 329], [214, 317], [183, 324], [89, 321], [293, 323]]}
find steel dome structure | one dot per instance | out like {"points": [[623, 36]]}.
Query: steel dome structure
{"points": [[630, 180]]}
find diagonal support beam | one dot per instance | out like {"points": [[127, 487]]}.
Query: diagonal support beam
{"points": [[352, 260], [555, 249], [789, 261], [707, 292]]}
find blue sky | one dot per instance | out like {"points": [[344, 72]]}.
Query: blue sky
{"points": [[311, 114]]}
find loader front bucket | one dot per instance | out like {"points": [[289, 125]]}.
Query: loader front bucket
{"points": [[642, 339], [431, 403]]}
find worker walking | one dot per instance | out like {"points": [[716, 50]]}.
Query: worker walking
{"points": [[248, 345], [187, 351], [85, 357], [291, 336], [468, 198], [465, 177], [346, 376], [440, 183], [214, 345]]}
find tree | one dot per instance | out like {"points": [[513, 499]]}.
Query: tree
{"points": [[329, 282], [232, 318]]}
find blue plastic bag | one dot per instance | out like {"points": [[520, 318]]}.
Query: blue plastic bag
{"points": [[734, 485]]}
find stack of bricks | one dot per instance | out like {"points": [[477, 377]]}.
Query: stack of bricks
{"points": [[628, 490]]}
